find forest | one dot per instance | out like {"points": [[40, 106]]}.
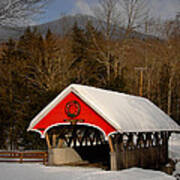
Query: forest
{"points": [[35, 68]]}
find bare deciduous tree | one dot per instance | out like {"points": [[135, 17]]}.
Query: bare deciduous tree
{"points": [[108, 14], [19, 12], [134, 13]]}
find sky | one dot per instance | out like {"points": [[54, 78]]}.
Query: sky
{"points": [[56, 8]]}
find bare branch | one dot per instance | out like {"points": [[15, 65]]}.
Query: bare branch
{"points": [[15, 13], [135, 13], [108, 14]]}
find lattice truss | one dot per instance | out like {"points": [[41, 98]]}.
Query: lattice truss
{"points": [[74, 136]]}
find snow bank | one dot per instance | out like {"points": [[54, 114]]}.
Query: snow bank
{"points": [[40, 172], [174, 147]]}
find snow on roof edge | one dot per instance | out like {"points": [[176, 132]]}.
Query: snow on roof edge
{"points": [[74, 88], [49, 107], [63, 94]]}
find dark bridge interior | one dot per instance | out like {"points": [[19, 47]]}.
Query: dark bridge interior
{"points": [[88, 141]]}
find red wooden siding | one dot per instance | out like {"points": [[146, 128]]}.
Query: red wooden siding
{"points": [[57, 116]]}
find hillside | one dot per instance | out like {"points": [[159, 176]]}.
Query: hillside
{"points": [[61, 27]]}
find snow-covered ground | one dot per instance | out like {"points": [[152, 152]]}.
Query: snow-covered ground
{"points": [[40, 172], [176, 173], [10, 171]]}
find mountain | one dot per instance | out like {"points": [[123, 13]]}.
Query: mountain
{"points": [[8, 32], [64, 24], [60, 27]]}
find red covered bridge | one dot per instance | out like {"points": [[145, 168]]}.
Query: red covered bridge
{"points": [[96, 122]]}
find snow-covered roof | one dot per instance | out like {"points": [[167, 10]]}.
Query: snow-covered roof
{"points": [[126, 113]]}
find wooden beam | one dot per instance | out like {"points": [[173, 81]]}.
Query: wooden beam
{"points": [[111, 144], [48, 141], [54, 140]]}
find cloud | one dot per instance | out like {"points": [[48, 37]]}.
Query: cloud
{"points": [[82, 7], [164, 9]]}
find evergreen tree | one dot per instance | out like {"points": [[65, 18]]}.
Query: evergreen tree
{"points": [[79, 43], [10, 90]]}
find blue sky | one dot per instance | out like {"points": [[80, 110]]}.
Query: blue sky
{"points": [[159, 8], [56, 8]]}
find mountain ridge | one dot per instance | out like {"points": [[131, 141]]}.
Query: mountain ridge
{"points": [[60, 27]]}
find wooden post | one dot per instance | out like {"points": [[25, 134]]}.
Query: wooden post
{"points": [[111, 144], [119, 150], [54, 140], [45, 158], [48, 141], [166, 145], [60, 143], [113, 157], [21, 157]]}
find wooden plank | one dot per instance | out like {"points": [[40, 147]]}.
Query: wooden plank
{"points": [[9, 157], [26, 161]]}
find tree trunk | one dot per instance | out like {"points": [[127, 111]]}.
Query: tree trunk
{"points": [[169, 95], [108, 71]]}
